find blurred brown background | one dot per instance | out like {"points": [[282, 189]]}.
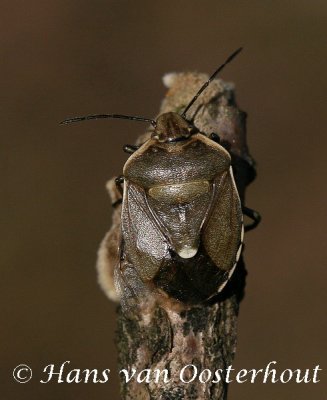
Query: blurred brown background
{"points": [[68, 58]]}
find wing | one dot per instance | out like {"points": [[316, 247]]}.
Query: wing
{"points": [[223, 232], [130, 287], [145, 245]]}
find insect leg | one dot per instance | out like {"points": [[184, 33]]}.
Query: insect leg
{"points": [[213, 136], [216, 138], [254, 215], [130, 148], [118, 181], [116, 203]]}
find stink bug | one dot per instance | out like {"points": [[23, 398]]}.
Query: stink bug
{"points": [[181, 231]]}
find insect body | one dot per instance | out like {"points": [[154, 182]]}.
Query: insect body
{"points": [[182, 221], [182, 218]]}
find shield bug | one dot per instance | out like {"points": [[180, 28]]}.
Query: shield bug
{"points": [[181, 230]]}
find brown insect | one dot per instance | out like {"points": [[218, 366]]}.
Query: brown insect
{"points": [[181, 217]]}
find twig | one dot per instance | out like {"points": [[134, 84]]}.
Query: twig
{"points": [[169, 337]]}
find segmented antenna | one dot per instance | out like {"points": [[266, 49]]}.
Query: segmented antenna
{"points": [[206, 84], [101, 116]]}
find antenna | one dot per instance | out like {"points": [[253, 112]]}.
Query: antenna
{"points": [[102, 116], [206, 84]]}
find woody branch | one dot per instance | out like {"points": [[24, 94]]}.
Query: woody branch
{"points": [[166, 337]]}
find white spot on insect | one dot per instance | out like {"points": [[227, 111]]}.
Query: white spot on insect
{"points": [[221, 287], [230, 273], [169, 79], [242, 232], [187, 251], [238, 254]]}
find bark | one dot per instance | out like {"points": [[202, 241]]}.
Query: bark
{"points": [[170, 336]]}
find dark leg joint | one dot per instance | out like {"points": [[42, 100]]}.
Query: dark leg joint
{"points": [[213, 136], [130, 148], [118, 181], [254, 215]]}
